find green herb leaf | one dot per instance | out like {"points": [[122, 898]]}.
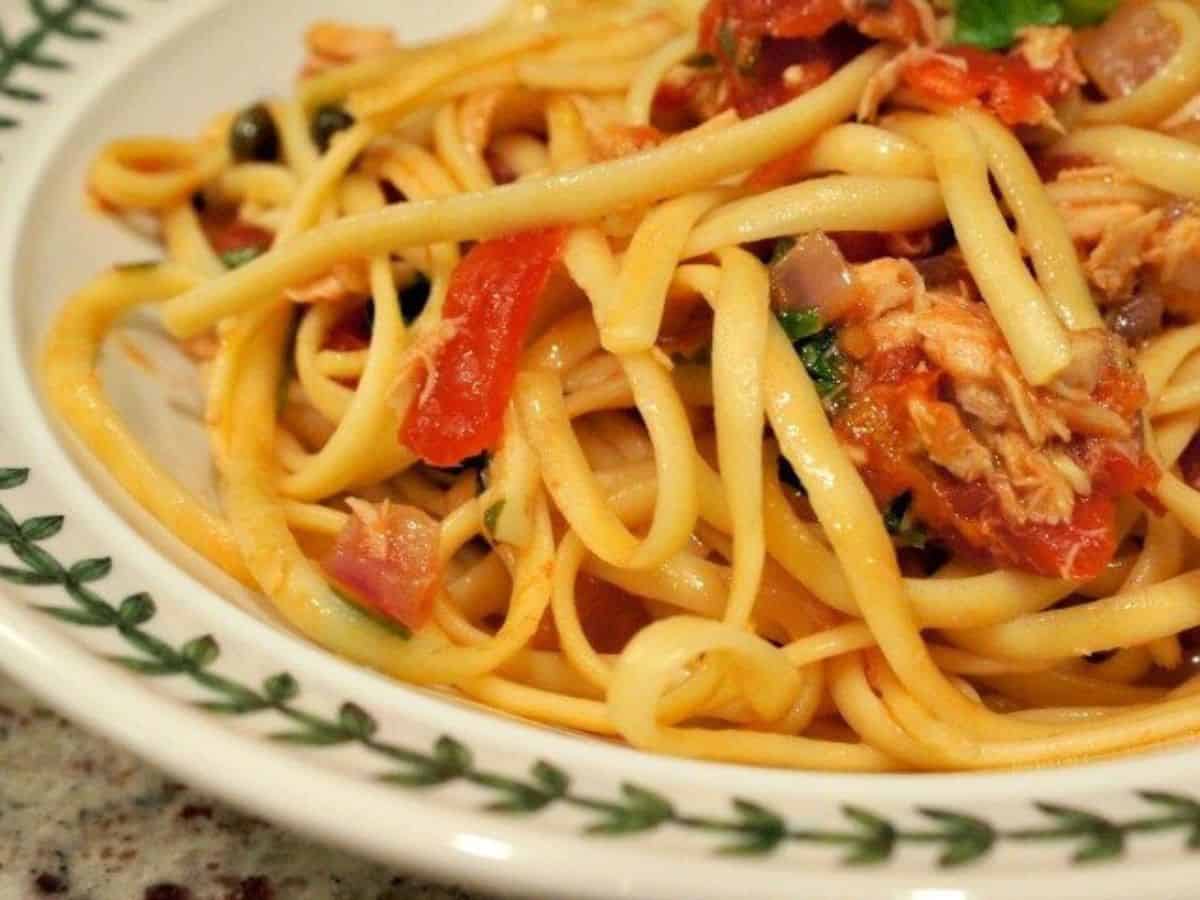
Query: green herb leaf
{"points": [[394, 627], [700, 60], [994, 25], [235, 259], [1081, 13], [799, 324], [902, 526], [491, 518], [825, 363]]}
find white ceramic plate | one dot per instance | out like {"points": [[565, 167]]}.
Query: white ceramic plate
{"points": [[107, 617]]}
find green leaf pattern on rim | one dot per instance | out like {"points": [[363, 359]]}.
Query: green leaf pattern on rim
{"points": [[73, 20], [750, 829]]}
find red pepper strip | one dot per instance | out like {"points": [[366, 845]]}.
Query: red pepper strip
{"points": [[492, 297]]}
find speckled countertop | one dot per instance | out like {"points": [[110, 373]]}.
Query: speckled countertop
{"points": [[81, 819]]}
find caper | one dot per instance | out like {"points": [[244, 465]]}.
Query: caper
{"points": [[254, 136], [328, 121]]}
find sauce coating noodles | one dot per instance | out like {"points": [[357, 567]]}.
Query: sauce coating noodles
{"points": [[776, 383]]}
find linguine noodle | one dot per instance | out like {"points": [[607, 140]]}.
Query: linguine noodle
{"points": [[699, 528]]}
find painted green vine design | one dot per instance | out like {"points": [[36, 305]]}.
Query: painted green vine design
{"points": [[748, 829], [73, 20]]}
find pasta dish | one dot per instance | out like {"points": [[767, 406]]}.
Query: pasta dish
{"points": [[801, 383]]}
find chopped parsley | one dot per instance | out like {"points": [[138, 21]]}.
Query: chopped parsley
{"points": [[700, 60], [903, 526], [401, 631], [799, 324], [825, 363], [994, 25], [235, 259], [818, 349]]}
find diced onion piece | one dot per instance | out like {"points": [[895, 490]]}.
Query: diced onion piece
{"points": [[1126, 50], [1141, 317], [814, 274], [386, 560]]}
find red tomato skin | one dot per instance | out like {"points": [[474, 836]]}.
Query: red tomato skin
{"points": [[389, 567], [493, 295], [967, 516], [769, 18], [1078, 550], [1007, 85]]}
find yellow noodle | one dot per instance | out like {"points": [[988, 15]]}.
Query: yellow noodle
{"points": [[657, 404]]}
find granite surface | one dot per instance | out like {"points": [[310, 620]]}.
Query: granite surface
{"points": [[81, 819]]}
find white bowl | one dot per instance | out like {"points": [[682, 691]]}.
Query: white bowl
{"points": [[582, 817]]}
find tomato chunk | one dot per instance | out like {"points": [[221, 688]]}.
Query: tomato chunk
{"points": [[386, 560], [1006, 84], [1077, 550], [492, 298], [897, 20], [769, 18], [968, 516]]}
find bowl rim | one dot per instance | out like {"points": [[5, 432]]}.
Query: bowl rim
{"points": [[46, 660]]}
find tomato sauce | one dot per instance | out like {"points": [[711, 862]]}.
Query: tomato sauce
{"points": [[967, 516], [609, 616], [767, 52], [1006, 84]]}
